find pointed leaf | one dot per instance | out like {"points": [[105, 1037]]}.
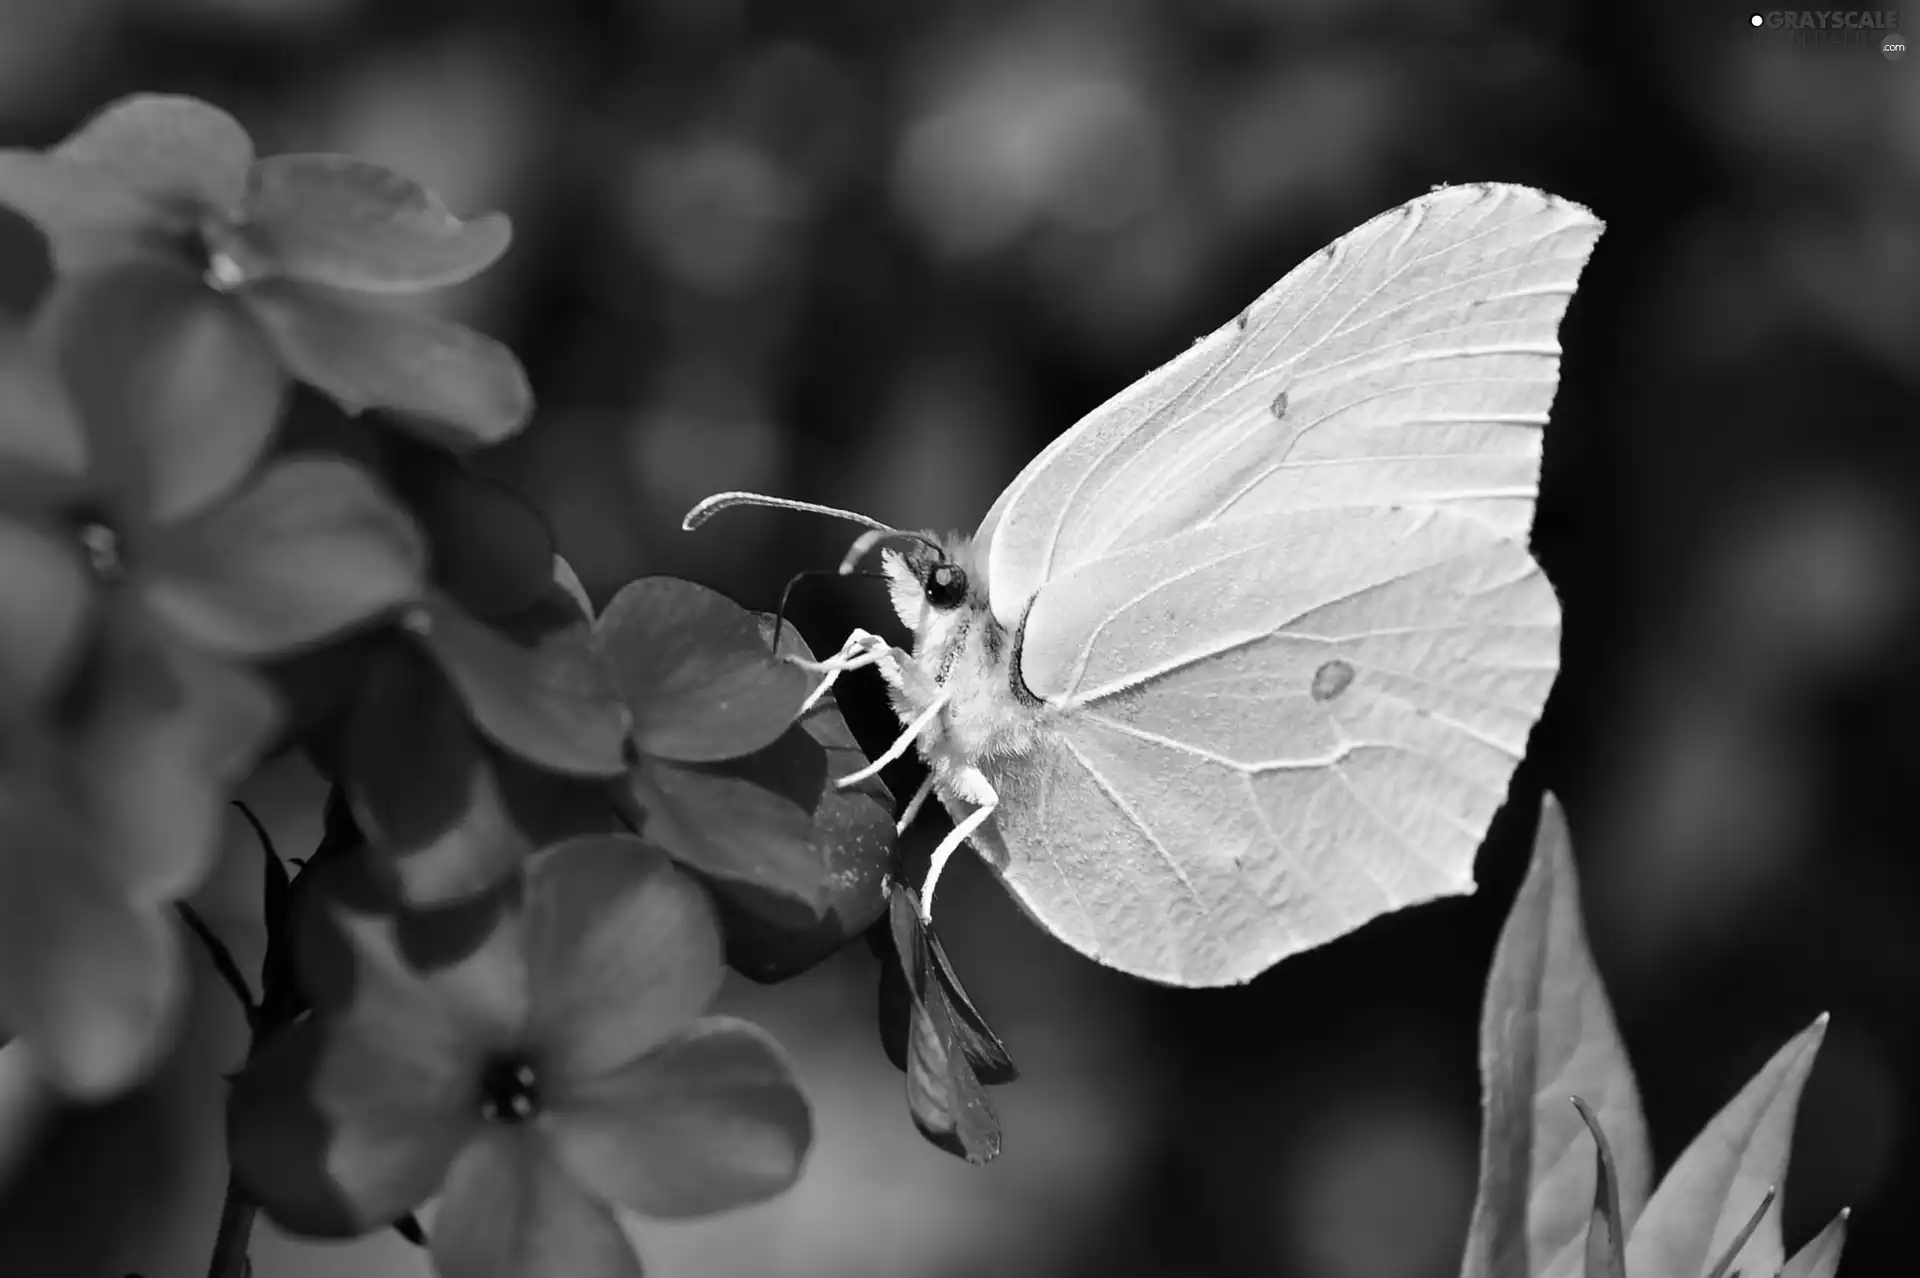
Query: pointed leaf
{"points": [[342, 222], [1606, 1235], [1820, 1258], [310, 549], [459, 389], [1547, 1032], [551, 703], [1710, 1192], [177, 390], [1725, 1263], [696, 671]]}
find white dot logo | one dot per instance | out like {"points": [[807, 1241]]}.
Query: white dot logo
{"points": [[1894, 46], [1758, 20]]}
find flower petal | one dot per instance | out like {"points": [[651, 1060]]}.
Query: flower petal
{"points": [[310, 549], [178, 149], [335, 220], [93, 983], [850, 834], [551, 702], [739, 826], [712, 1120], [162, 736], [47, 601], [421, 784], [449, 981], [509, 1212], [463, 388], [338, 1132], [89, 216], [492, 550], [696, 671], [42, 433], [622, 950], [177, 388]]}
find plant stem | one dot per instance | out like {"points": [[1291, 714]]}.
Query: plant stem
{"points": [[222, 963], [236, 1229]]}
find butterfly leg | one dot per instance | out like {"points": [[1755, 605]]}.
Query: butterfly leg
{"points": [[861, 649], [972, 785], [903, 742], [918, 801]]}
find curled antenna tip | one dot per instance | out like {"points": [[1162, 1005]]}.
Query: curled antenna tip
{"points": [[708, 507]]}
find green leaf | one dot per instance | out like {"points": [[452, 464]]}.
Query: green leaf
{"points": [[1711, 1191], [1820, 1258], [552, 702], [342, 222], [696, 671], [185, 153], [1726, 1260], [312, 548], [456, 388], [177, 390], [1606, 1233], [1547, 1032], [850, 837]]}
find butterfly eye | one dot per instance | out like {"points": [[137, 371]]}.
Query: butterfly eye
{"points": [[946, 586]]}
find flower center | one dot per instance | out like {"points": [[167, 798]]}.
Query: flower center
{"points": [[103, 551], [509, 1090]]}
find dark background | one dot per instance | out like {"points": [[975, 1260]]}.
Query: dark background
{"points": [[877, 253]]}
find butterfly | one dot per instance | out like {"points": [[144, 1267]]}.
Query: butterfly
{"points": [[1248, 656]]}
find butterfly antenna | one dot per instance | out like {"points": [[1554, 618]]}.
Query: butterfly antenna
{"points": [[713, 505], [866, 541], [780, 616], [876, 533]]}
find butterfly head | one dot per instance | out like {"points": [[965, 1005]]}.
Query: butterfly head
{"points": [[931, 580]]}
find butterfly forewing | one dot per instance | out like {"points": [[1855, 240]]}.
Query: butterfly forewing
{"points": [[1412, 361]]}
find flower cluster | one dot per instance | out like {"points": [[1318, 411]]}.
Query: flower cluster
{"points": [[550, 831]]}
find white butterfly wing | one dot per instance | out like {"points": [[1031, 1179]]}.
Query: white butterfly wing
{"points": [[1264, 733], [1411, 361], [1282, 609]]}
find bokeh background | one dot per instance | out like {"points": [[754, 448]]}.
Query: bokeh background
{"points": [[877, 253]]}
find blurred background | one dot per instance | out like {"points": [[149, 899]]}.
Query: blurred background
{"points": [[877, 254]]}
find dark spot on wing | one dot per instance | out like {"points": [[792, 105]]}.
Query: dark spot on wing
{"points": [[1331, 679], [1280, 406], [1240, 320]]}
